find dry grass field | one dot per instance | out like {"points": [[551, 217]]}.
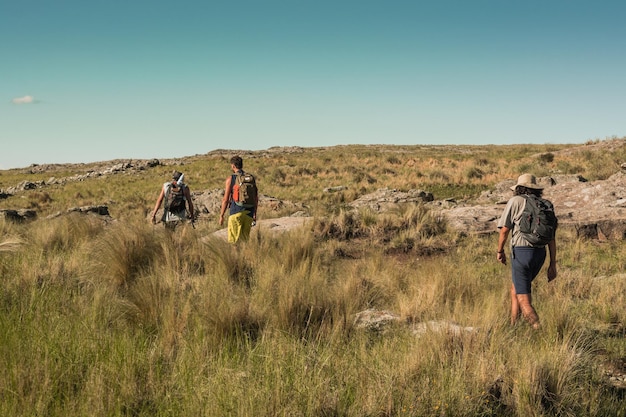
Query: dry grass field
{"points": [[123, 318]]}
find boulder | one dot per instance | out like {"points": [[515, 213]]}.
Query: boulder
{"points": [[380, 320], [376, 320], [18, 216], [441, 326], [385, 198], [99, 210]]}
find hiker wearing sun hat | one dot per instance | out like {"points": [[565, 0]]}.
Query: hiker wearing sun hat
{"points": [[528, 181], [528, 249]]}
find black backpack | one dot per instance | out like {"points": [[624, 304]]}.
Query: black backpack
{"points": [[175, 198], [539, 223]]}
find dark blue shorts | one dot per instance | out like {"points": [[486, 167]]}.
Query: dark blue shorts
{"points": [[525, 265]]}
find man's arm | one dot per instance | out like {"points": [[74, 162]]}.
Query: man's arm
{"points": [[256, 205], [189, 202], [158, 204], [552, 267], [504, 234], [226, 199]]}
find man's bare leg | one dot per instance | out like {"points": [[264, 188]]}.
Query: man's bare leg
{"points": [[529, 313], [514, 306]]}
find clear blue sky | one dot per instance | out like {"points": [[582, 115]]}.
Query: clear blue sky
{"points": [[84, 81]]}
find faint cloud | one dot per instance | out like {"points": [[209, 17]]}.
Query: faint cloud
{"points": [[24, 100]]}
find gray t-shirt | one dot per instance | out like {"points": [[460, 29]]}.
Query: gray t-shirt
{"points": [[511, 219]]}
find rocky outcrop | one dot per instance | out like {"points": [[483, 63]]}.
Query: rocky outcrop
{"points": [[472, 219], [386, 198], [18, 216], [111, 169], [209, 203], [24, 215], [102, 211], [594, 209]]}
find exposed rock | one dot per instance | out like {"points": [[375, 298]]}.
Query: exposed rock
{"points": [[615, 372], [502, 191], [113, 167], [386, 198], [99, 210], [473, 219], [371, 319], [378, 320], [274, 226], [595, 209], [18, 216], [23, 186], [335, 189], [209, 203], [441, 326]]}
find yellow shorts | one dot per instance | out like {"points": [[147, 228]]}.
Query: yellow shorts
{"points": [[239, 226]]}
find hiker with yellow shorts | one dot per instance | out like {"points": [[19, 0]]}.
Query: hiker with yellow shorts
{"points": [[240, 194]]}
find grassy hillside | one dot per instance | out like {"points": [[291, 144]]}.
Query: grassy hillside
{"points": [[126, 319], [301, 174]]}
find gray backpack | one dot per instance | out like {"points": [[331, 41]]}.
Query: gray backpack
{"points": [[539, 223], [175, 198]]}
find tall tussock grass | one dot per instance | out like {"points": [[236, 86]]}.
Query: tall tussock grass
{"points": [[127, 318], [410, 228], [11, 234], [125, 251]]}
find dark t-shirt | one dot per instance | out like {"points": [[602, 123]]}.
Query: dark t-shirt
{"points": [[234, 208]]}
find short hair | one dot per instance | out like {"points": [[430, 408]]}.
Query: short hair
{"points": [[521, 190], [237, 162]]}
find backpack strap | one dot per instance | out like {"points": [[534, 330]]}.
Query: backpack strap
{"points": [[167, 187], [233, 179]]}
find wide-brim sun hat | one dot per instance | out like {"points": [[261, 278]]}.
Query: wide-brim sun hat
{"points": [[528, 181]]}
